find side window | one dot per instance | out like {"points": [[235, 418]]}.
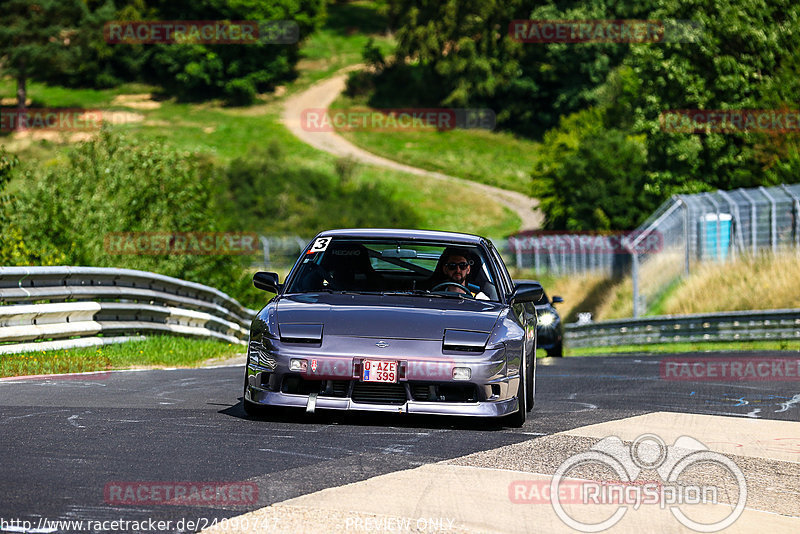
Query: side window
{"points": [[505, 282]]}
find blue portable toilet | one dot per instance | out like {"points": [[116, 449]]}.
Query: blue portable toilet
{"points": [[710, 238]]}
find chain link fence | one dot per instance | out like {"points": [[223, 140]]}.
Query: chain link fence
{"points": [[683, 231]]}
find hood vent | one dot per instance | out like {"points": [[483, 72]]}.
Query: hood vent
{"points": [[300, 333], [465, 340]]}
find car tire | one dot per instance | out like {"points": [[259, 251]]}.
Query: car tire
{"points": [[531, 385], [250, 408], [557, 351], [517, 419]]}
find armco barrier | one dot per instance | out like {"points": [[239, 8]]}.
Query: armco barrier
{"points": [[60, 304], [722, 326]]}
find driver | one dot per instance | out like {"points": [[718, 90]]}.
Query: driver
{"points": [[456, 268]]}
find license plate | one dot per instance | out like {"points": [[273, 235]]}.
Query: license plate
{"points": [[378, 371]]}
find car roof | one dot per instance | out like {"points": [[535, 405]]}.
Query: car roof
{"points": [[434, 235]]}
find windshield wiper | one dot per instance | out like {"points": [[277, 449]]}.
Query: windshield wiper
{"points": [[424, 293]]}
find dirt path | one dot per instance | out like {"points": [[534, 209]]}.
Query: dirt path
{"points": [[323, 93]]}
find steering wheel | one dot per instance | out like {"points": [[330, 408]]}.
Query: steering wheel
{"points": [[314, 269], [445, 284]]}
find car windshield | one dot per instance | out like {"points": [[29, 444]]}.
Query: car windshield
{"points": [[392, 266]]}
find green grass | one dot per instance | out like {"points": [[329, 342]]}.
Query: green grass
{"points": [[494, 158], [42, 95], [156, 351], [666, 348], [657, 306], [340, 42], [228, 133]]}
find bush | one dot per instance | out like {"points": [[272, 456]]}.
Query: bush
{"points": [[590, 177], [240, 92], [115, 184], [272, 196]]}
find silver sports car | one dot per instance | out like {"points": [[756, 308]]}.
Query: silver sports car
{"points": [[406, 321]]}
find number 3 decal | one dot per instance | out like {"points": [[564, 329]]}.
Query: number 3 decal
{"points": [[319, 245]]}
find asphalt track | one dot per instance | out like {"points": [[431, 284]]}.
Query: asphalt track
{"points": [[63, 440]]}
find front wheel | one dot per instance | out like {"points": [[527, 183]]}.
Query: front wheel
{"points": [[253, 410], [517, 419], [531, 385], [250, 408]]}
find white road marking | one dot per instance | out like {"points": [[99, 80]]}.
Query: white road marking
{"points": [[73, 420], [10, 528], [788, 404], [115, 371]]}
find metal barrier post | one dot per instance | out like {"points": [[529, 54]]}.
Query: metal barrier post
{"points": [[774, 219], [796, 225], [635, 277], [753, 230], [686, 258]]}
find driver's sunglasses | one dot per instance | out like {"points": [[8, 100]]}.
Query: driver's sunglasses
{"points": [[461, 265]]}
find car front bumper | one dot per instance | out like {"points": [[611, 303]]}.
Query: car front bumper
{"points": [[425, 385], [473, 409]]}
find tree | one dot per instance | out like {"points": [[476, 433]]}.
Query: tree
{"points": [[591, 177], [746, 57], [461, 54], [34, 37], [233, 72]]}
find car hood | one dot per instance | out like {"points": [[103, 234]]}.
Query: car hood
{"points": [[386, 316]]}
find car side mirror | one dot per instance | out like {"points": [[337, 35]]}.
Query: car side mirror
{"points": [[267, 281], [527, 292], [556, 299]]}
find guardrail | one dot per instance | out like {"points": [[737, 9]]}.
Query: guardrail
{"points": [[71, 306], [722, 326]]}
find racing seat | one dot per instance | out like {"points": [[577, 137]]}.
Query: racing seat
{"points": [[350, 268]]}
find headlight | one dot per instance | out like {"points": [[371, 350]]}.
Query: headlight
{"points": [[547, 319], [462, 373]]}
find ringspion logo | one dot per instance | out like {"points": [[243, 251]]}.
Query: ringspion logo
{"points": [[677, 466]]}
